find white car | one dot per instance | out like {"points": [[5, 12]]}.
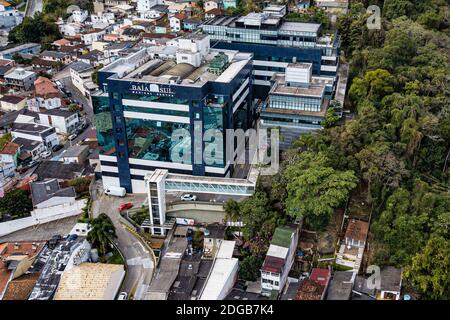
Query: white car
{"points": [[72, 137], [122, 296], [46, 154], [188, 197]]}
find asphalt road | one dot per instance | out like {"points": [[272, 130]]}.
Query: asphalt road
{"points": [[33, 7], [139, 261]]}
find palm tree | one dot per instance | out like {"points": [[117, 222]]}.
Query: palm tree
{"points": [[232, 212], [102, 233]]}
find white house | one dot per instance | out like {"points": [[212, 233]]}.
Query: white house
{"points": [[79, 15], [63, 121], [12, 102], [91, 36], [80, 74], [210, 4], [46, 95], [176, 21], [35, 132]]}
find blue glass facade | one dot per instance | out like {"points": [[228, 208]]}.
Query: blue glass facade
{"points": [[158, 127]]}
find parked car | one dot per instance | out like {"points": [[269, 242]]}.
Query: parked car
{"points": [[46, 154], [125, 206], [72, 137], [188, 197], [57, 147], [122, 296]]}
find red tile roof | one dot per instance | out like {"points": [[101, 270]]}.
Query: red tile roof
{"points": [[45, 88], [357, 230], [10, 148], [272, 264], [310, 290], [321, 276]]}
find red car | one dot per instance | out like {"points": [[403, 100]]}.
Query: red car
{"points": [[125, 206]]}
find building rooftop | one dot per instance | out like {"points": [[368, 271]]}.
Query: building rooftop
{"points": [[20, 288], [216, 231], [19, 74], [43, 190], [283, 236], [45, 88], [310, 290], [272, 264], [277, 251], [9, 49], [341, 286], [53, 54], [59, 170], [26, 144], [391, 279], [90, 281], [158, 64], [10, 148], [29, 128], [316, 87], [357, 230], [59, 112], [321, 276], [80, 66], [9, 98], [75, 150]]}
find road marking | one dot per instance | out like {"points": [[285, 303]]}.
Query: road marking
{"points": [[147, 263], [134, 261]]}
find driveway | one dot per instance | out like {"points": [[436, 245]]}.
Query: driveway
{"points": [[138, 259]]}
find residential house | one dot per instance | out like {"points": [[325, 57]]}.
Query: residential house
{"points": [[213, 13], [57, 56], [61, 42], [341, 285], [93, 35], [75, 154], [145, 5], [176, 21], [20, 79], [4, 69], [279, 260], [229, 4], [15, 259], [60, 170], [303, 5], [321, 276], [80, 74], [64, 121], [157, 39], [161, 26], [50, 201], [156, 12], [352, 249], [131, 34], [9, 16], [26, 48], [310, 290], [71, 29], [211, 4], [10, 153], [29, 149], [35, 132], [94, 58], [191, 24], [12, 102], [46, 95], [333, 6], [275, 10], [213, 236], [391, 283], [79, 15]]}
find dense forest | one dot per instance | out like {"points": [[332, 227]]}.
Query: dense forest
{"points": [[397, 148]]}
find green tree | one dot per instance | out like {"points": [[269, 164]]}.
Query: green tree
{"points": [[102, 233], [249, 268], [4, 139], [39, 29], [315, 188], [16, 202], [232, 211], [73, 107], [429, 271]]}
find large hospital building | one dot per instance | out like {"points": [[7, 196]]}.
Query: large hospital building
{"points": [[153, 99]]}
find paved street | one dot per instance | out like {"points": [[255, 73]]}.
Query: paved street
{"points": [[174, 197], [43, 231], [33, 7], [138, 259]]}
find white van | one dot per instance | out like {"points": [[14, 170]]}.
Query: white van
{"points": [[116, 191]]}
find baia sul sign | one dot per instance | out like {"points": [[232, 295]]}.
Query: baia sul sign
{"points": [[151, 89]]}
